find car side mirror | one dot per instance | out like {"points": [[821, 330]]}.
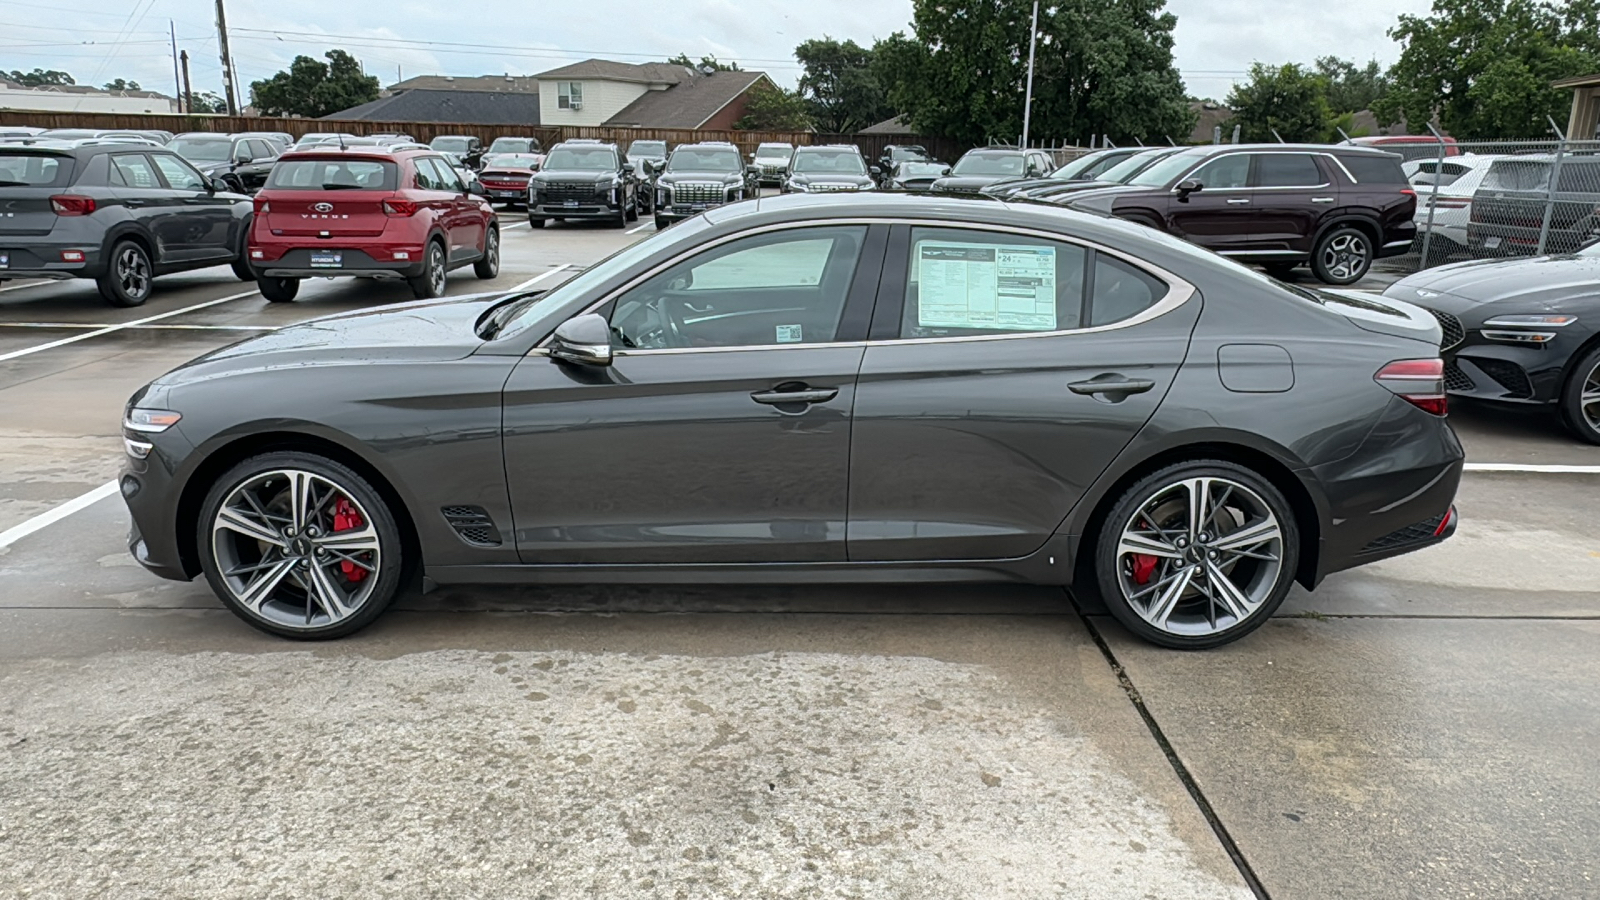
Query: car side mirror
{"points": [[875, 170], [583, 341], [943, 171], [627, 167], [1187, 187], [476, 188], [214, 184]]}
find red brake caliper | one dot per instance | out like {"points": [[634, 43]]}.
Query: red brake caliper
{"points": [[1144, 565], [346, 518]]}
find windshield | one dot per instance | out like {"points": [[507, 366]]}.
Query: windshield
{"points": [[511, 145], [451, 144], [586, 159], [917, 169], [988, 164], [1080, 166], [512, 161], [647, 150], [1133, 165], [704, 159], [34, 170], [1590, 249], [333, 175], [828, 162], [767, 151], [904, 153], [1162, 173], [202, 150]]}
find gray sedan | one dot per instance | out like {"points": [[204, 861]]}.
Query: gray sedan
{"points": [[865, 388]]}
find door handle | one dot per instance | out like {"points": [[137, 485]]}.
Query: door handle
{"points": [[1122, 386], [805, 395], [133, 202], [1238, 201], [1321, 199]]}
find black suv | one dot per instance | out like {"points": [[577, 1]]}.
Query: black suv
{"points": [[120, 214], [1337, 208], [583, 180], [977, 169], [830, 168], [242, 162], [698, 177], [1087, 167]]}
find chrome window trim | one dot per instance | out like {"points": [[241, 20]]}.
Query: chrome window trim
{"points": [[1279, 187], [1179, 291]]}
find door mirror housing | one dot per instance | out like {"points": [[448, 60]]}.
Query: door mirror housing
{"points": [[627, 167], [476, 188], [583, 341], [1186, 187], [215, 184], [875, 170]]}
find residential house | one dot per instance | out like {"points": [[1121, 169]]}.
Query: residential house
{"points": [[83, 98], [486, 100], [649, 95]]}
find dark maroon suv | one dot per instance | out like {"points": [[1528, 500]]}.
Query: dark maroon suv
{"points": [[1336, 208]]}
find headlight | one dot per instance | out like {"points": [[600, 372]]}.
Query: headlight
{"points": [[150, 421], [1532, 321], [1526, 329], [797, 186]]}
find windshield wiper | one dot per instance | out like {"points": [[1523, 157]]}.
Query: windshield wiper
{"points": [[330, 186], [508, 309]]}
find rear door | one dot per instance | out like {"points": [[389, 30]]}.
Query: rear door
{"points": [[1221, 215], [1291, 192], [1005, 372], [205, 216], [333, 197]]}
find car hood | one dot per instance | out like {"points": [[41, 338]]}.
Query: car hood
{"points": [[829, 178], [1534, 284], [1094, 197], [424, 331], [574, 175], [1024, 184], [967, 182], [692, 175]]}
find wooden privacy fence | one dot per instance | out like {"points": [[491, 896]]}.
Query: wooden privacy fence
{"points": [[871, 144]]}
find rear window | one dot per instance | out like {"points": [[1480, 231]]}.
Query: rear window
{"points": [[1517, 175], [202, 149], [1374, 169], [1579, 177], [334, 175], [34, 170]]}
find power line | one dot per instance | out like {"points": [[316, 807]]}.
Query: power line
{"points": [[476, 47]]}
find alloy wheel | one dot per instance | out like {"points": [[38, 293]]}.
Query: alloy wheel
{"points": [[133, 272], [493, 249], [436, 273], [1345, 256], [296, 549], [1589, 399], [1200, 556]]}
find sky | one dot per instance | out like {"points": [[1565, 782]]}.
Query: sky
{"points": [[1216, 40]]}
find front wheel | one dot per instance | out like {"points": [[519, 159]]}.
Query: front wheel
{"points": [[535, 222], [299, 546], [1342, 256], [1197, 554], [1580, 399], [278, 290], [430, 283], [488, 266]]}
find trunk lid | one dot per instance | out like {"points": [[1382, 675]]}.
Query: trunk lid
{"points": [[1382, 315], [338, 195], [28, 179]]}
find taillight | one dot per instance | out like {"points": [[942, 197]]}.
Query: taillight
{"points": [[1408, 191], [1419, 382], [262, 205], [397, 207], [72, 205]]}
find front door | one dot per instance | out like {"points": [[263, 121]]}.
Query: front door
{"points": [[160, 210], [1221, 215], [721, 432], [986, 409], [202, 223]]}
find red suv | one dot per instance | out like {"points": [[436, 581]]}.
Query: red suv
{"points": [[369, 212]]}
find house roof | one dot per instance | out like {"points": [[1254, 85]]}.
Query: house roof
{"points": [[516, 84], [473, 106], [86, 89], [895, 125], [606, 70], [1580, 81], [689, 103]]}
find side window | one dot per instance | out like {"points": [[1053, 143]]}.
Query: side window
{"points": [[964, 283], [1121, 291], [427, 178], [179, 174], [133, 170], [261, 150], [1579, 177], [786, 287], [1287, 170], [1231, 171], [446, 176], [1369, 169]]}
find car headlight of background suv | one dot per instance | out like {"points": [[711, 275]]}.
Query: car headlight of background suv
{"points": [[1525, 329]]}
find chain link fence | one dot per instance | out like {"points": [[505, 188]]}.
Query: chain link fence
{"points": [[1496, 199]]}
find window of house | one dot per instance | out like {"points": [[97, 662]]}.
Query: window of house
{"points": [[569, 94]]}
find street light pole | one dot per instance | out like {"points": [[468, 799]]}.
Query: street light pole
{"points": [[1027, 103]]}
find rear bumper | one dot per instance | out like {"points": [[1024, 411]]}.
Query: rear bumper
{"points": [[353, 262], [40, 257]]}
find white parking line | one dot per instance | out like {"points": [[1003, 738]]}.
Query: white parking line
{"points": [[1531, 467], [16, 533], [18, 287], [110, 328], [535, 279], [515, 224], [638, 228], [81, 326]]}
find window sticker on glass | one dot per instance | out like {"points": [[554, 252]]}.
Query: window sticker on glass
{"points": [[986, 286], [789, 334]]}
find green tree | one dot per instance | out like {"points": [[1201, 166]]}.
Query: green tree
{"points": [[1103, 67], [1484, 67], [1352, 88], [1288, 99], [839, 85], [682, 59], [771, 108], [208, 102], [122, 84], [37, 78], [313, 88]]}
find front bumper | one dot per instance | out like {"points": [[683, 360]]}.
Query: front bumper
{"points": [[600, 206], [150, 491]]}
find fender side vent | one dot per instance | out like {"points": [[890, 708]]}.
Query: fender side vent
{"points": [[473, 525]]}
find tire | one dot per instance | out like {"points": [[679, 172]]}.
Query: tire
{"points": [[488, 266], [267, 570], [129, 275], [535, 222], [1580, 399], [1227, 584], [622, 216], [1281, 271], [633, 211], [431, 282], [662, 224], [241, 263], [278, 290], [1342, 255]]}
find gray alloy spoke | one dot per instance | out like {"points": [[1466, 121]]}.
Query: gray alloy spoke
{"points": [[1251, 553], [1225, 592], [253, 567], [1199, 494], [357, 540], [326, 594], [301, 502], [236, 521], [1135, 542], [1218, 505], [265, 516], [260, 590], [1160, 610], [345, 557], [1250, 536]]}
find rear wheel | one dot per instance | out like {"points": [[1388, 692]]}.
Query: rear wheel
{"points": [[1197, 555], [1342, 256], [431, 282], [535, 222], [489, 265], [278, 290], [661, 224], [1580, 399], [241, 263], [299, 546], [129, 276]]}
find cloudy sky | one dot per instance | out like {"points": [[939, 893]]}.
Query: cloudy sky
{"points": [[1216, 39]]}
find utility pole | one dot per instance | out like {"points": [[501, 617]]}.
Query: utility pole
{"points": [[188, 95], [177, 83], [1027, 103], [227, 60]]}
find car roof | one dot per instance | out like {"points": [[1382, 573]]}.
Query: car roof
{"points": [[828, 147], [363, 151]]}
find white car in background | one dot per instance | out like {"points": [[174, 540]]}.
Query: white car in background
{"points": [[1447, 185]]}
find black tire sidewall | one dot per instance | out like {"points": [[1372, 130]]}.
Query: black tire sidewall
{"points": [[111, 286], [486, 268], [1572, 392], [422, 286], [278, 290], [1321, 271], [390, 570], [1105, 552]]}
